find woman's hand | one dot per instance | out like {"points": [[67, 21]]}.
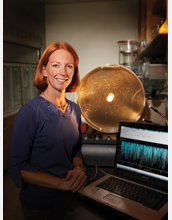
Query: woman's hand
{"points": [[75, 179]]}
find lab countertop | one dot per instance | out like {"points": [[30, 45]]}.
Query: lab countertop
{"points": [[71, 206]]}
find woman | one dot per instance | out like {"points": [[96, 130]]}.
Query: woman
{"points": [[44, 155]]}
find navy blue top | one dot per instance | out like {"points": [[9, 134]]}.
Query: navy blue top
{"points": [[43, 139]]}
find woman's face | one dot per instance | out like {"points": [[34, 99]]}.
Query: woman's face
{"points": [[59, 69]]}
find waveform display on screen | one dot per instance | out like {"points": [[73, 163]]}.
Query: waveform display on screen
{"points": [[143, 155]]}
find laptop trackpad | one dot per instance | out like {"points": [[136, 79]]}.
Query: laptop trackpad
{"points": [[112, 199]]}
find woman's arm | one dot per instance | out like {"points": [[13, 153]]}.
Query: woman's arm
{"points": [[74, 181], [78, 161], [45, 180], [24, 131], [40, 178]]}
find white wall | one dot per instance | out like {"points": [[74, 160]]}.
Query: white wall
{"points": [[93, 29]]}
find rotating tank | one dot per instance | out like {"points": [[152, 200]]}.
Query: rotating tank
{"points": [[108, 95]]}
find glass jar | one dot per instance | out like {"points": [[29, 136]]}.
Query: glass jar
{"points": [[129, 51]]}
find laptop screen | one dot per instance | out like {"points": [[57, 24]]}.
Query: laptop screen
{"points": [[143, 149]]}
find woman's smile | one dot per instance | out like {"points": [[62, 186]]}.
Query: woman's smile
{"points": [[61, 80]]}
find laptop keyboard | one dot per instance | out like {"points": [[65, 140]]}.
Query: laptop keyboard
{"points": [[147, 197]]}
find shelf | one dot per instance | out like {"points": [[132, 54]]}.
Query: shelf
{"points": [[157, 47]]}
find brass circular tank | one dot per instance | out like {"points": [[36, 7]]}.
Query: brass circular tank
{"points": [[108, 95]]}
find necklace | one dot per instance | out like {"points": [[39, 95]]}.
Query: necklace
{"points": [[62, 107]]}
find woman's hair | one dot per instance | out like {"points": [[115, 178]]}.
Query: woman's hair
{"points": [[40, 81]]}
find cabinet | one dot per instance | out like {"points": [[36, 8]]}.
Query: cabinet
{"points": [[17, 90], [153, 14], [23, 40], [17, 86], [153, 34]]}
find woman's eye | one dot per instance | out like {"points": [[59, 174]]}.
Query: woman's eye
{"points": [[70, 66], [55, 65]]}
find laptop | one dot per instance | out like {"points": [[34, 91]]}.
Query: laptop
{"points": [[141, 162]]}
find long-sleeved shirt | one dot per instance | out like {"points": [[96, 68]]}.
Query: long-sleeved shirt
{"points": [[43, 139]]}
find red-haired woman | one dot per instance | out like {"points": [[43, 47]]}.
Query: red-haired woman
{"points": [[45, 151]]}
